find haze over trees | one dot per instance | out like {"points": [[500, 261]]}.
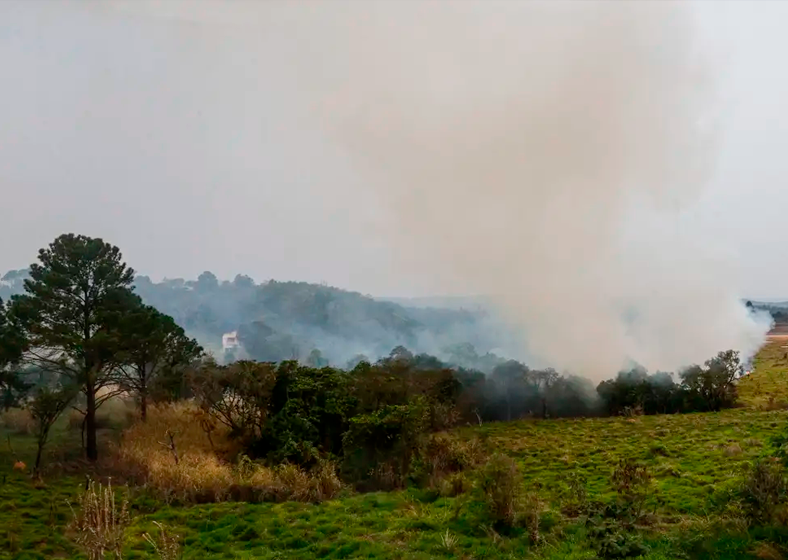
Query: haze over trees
{"points": [[289, 320], [294, 427]]}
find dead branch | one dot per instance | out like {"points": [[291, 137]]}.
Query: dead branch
{"points": [[170, 445]]}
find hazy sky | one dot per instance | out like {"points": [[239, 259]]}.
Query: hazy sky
{"points": [[171, 131]]}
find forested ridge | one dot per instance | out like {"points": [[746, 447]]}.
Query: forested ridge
{"points": [[278, 320]]}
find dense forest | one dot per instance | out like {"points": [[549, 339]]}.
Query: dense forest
{"points": [[279, 321]]}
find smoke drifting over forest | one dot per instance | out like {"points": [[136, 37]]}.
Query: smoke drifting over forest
{"points": [[538, 153], [517, 144]]}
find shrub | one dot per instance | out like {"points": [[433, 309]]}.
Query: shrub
{"points": [[197, 470], [501, 487], [379, 447], [764, 491], [325, 482], [610, 538], [574, 495], [442, 455], [613, 528], [632, 483], [98, 525], [454, 485]]}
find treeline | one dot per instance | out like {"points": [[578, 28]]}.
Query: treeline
{"points": [[698, 389], [79, 335], [374, 415]]}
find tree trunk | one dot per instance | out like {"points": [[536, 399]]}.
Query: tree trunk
{"points": [[143, 392], [143, 405], [544, 408], [38, 457], [91, 449]]}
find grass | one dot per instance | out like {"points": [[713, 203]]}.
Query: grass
{"points": [[767, 387], [696, 460]]}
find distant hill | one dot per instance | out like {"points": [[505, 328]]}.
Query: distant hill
{"points": [[284, 320]]}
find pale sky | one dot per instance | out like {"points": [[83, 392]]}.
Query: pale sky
{"points": [[170, 132]]}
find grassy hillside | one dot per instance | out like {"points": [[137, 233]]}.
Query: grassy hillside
{"points": [[696, 461]]}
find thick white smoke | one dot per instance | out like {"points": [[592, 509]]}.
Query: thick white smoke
{"points": [[537, 153], [513, 144]]}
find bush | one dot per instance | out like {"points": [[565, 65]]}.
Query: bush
{"points": [[613, 528], [612, 539], [442, 455], [764, 491], [454, 485], [380, 447], [198, 469], [574, 496], [632, 483], [501, 486]]}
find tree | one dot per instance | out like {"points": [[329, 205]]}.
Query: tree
{"points": [[12, 386], [509, 377], [155, 354], [316, 359], [356, 360], [45, 408], [207, 282], [71, 315], [715, 384], [543, 380]]}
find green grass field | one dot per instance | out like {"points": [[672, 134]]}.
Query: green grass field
{"points": [[696, 460]]}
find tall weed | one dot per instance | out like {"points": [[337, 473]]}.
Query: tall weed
{"points": [[99, 522]]}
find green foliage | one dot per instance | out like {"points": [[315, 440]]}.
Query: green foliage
{"points": [[278, 411], [155, 354], [12, 385], [380, 446], [709, 388], [71, 313], [45, 408], [613, 527], [310, 409], [714, 387], [501, 487]]}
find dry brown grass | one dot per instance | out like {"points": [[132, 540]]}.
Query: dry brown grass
{"points": [[199, 469], [18, 421], [198, 474], [99, 523]]}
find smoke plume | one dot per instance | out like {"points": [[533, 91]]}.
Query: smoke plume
{"points": [[546, 155], [542, 154]]}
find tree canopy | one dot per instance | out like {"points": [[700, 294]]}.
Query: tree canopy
{"points": [[71, 315]]}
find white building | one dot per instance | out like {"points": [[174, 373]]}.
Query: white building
{"points": [[230, 340]]}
